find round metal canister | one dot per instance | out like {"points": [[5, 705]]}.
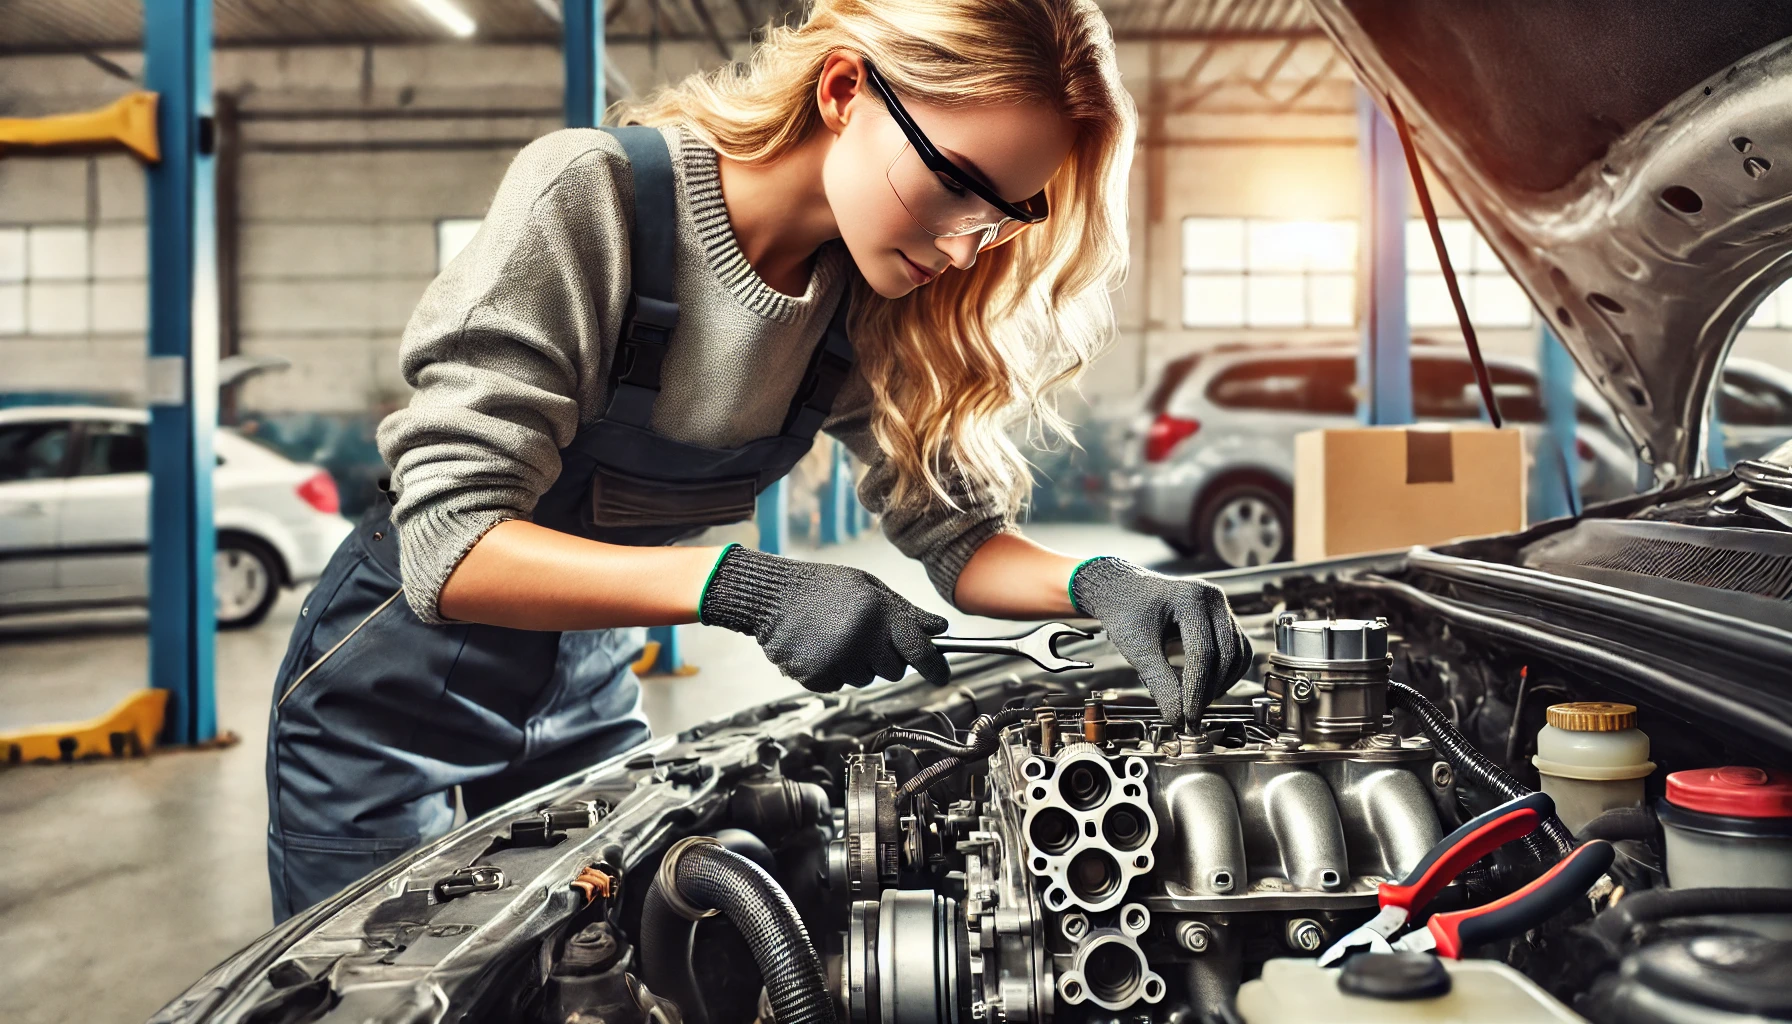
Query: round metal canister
{"points": [[1331, 677]]}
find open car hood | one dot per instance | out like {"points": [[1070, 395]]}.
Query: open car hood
{"points": [[1630, 161]]}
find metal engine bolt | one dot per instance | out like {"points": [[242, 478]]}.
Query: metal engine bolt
{"points": [[1383, 741], [1441, 775], [1048, 730], [1074, 926], [1095, 721], [1194, 936], [1305, 935]]}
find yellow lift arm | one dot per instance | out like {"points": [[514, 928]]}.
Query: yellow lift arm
{"points": [[130, 122]]}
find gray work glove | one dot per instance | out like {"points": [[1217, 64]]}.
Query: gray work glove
{"points": [[1139, 608], [825, 626]]}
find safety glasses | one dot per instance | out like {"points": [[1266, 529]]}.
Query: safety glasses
{"points": [[946, 200]]}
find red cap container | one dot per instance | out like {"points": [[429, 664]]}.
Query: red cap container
{"points": [[1732, 791]]}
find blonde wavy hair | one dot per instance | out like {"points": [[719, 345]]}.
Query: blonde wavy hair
{"points": [[955, 365]]}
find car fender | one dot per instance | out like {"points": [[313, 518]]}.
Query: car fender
{"points": [[1270, 455], [262, 526], [1176, 488]]}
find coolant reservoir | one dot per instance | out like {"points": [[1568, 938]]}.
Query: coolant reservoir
{"points": [[1591, 757], [1728, 826], [1458, 992]]}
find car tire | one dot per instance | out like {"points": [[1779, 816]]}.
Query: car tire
{"points": [[1246, 523], [245, 580]]}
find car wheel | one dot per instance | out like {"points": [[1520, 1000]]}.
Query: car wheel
{"points": [[1246, 524], [245, 581]]}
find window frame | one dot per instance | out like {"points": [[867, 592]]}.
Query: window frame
{"points": [[84, 431], [70, 453]]}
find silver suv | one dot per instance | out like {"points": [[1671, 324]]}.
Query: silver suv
{"points": [[1209, 464]]}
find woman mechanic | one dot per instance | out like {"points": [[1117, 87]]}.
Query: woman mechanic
{"points": [[899, 223]]}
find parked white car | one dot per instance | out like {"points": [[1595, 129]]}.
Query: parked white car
{"points": [[74, 515]]}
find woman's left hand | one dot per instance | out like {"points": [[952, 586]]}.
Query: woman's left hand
{"points": [[1140, 609]]}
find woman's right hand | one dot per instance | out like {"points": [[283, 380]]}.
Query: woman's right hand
{"points": [[826, 626]]}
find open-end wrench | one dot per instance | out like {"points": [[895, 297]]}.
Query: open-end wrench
{"points": [[1039, 646]]}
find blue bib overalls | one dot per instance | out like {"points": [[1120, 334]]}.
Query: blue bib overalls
{"points": [[377, 715]]}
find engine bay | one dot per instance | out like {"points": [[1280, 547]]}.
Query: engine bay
{"points": [[1025, 847]]}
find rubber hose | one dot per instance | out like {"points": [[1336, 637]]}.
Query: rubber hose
{"points": [[1478, 766], [712, 878], [666, 967], [1618, 927], [985, 733], [1633, 823]]}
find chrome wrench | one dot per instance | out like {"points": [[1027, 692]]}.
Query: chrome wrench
{"points": [[1039, 646]]}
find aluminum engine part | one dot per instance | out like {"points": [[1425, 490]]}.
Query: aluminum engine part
{"points": [[907, 960], [1011, 970], [1292, 829], [1330, 677], [1109, 969], [1089, 826], [873, 854]]}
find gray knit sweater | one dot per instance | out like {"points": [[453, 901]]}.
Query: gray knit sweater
{"points": [[509, 352]]}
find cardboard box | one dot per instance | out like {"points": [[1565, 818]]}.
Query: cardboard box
{"points": [[1383, 488]]}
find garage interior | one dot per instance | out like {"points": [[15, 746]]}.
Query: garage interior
{"points": [[350, 148]]}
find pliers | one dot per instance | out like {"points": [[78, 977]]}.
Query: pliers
{"points": [[1450, 933]]}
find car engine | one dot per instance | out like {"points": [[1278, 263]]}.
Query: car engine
{"points": [[1024, 847], [1110, 867]]}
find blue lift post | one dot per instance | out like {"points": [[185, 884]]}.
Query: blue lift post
{"points": [[582, 48], [183, 367], [773, 516], [855, 513], [837, 513], [1384, 364], [1554, 493]]}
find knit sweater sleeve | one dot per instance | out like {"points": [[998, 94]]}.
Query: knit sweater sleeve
{"points": [[942, 537], [501, 349]]}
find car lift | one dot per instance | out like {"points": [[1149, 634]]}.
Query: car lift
{"points": [[168, 127]]}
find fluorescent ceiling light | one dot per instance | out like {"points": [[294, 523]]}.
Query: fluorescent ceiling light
{"points": [[452, 18]]}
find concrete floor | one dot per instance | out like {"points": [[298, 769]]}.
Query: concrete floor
{"points": [[122, 882]]}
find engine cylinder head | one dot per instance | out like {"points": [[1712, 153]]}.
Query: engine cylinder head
{"points": [[1109, 968], [1088, 826]]}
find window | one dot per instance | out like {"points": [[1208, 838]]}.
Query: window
{"points": [[452, 235], [1239, 272], [1175, 372], [1315, 386], [114, 448], [58, 279], [1268, 273], [1445, 389], [33, 451], [1748, 401], [1493, 298]]}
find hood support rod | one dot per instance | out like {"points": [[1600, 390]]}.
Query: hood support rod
{"points": [[1443, 261]]}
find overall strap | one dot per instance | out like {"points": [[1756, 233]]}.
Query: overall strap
{"points": [[828, 369], [652, 309]]}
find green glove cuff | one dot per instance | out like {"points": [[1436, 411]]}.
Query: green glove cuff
{"points": [[1070, 584], [711, 578]]}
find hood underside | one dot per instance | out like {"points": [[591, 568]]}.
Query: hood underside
{"points": [[1630, 161]]}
